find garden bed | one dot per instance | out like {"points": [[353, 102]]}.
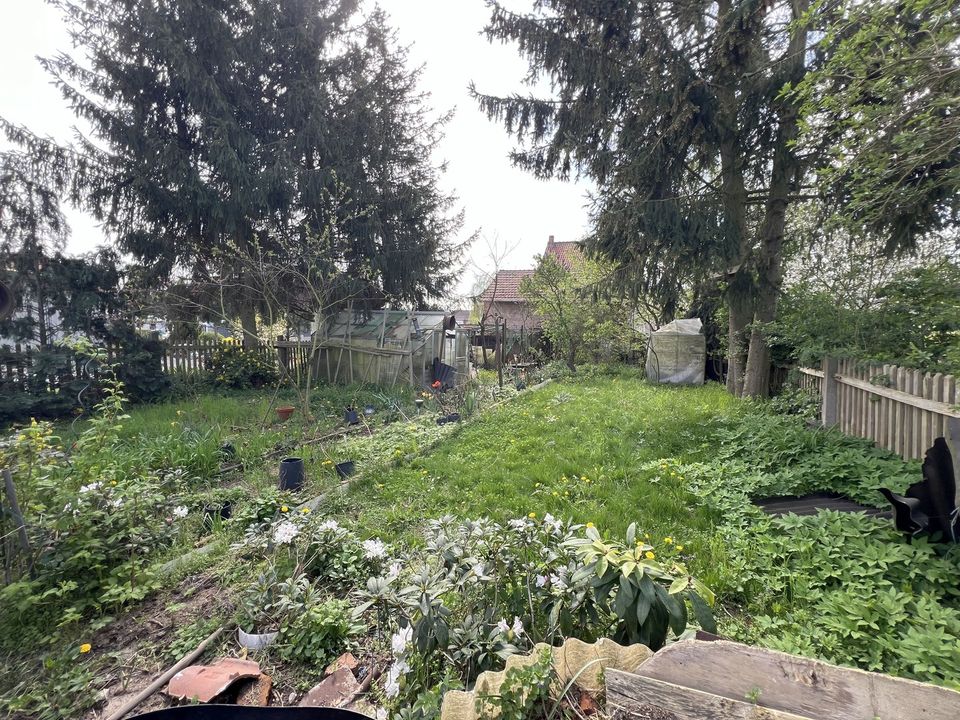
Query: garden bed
{"points": [[591, 458]]}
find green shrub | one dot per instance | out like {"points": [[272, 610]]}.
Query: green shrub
{"points": [[232, 366]]}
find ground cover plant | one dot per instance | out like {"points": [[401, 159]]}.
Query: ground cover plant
{"points": [[593, 506], [684, 464]]}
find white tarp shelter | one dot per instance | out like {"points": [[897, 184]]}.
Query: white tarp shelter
{"points": [[677, 353]]}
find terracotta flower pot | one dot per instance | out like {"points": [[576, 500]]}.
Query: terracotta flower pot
{"points": [[285, 412]]}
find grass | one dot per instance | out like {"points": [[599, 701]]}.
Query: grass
{"points": [[579, 450]]}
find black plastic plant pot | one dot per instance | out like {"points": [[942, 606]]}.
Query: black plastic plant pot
{"points": [[214, 510], [350, 416], [291, 473], [418, 402], [241, 712], [345, 469]]}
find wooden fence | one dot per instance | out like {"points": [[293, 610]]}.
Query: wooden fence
{"points": [[186, 358], [18, 364], [899, 409]]}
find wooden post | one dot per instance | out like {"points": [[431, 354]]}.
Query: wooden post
{"points": [[952, 436], [498, 352], [17, 517], [828, 414]]}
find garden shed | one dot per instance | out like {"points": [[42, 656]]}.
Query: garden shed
{"points": [[390, 346]]}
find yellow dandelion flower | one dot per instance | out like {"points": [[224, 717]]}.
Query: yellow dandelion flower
{"points": [[86, 647], [305, 511], [589, 524], [649, 555], [668, 540], [284, 508], [679, 547], [532, 516]]}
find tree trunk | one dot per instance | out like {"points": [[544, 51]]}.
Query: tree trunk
{"points": [[572, 356], [41, 301], [740, 311], [739, 293], [248, 321], [785, 171]]}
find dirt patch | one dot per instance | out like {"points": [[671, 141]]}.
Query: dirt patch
{"points": [[136, 645]]}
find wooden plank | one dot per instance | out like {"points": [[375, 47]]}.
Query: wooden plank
{"points": [[916, 435], [802, 686], [811, 372], [641, 698], [904, 396], [829, 399], [927, 418]]}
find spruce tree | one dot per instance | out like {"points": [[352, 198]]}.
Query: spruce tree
{"points": [[220, 128], [677, 110]]}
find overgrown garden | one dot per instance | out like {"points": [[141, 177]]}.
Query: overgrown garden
{"points": [[596, 506]]}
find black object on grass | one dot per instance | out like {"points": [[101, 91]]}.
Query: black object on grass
{"points": [[291, 473]]}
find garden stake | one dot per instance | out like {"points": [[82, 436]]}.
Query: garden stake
{"points": [[18, 518]]}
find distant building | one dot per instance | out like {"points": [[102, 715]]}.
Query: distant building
{"points": [[502, 298]]}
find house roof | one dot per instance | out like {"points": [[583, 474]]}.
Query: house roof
{"points": [[505, 286], [564, 252]]}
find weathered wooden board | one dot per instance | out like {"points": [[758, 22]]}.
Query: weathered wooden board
{"points": [[792, 684], [644, 698]]}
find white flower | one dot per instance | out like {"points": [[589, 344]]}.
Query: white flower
{"points": [[116, 503], [391, 687], [503, 627], [518, 524], [329, 525], [396, 671], [541, 580], [180, 511], [551, 522], [558, 582], [517, 627], [381, 714], [89, 488], [285, 532], [374, 549], [393, 572], [400, 640]]}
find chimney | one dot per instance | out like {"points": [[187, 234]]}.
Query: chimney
{"points": [[550, 241]]}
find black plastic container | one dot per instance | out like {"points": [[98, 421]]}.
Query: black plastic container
{"points": [[291, 473], [214, 510], [241, 712], [350, 416], [345, 469]]}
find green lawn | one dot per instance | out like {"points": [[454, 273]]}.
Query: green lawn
{"points": [[583, 451]]}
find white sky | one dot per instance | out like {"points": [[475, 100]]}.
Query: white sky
{"points": [[500, 200]]}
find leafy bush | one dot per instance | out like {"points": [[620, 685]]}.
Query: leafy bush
{"points": [[94, 520], [471, 594], [232, 366], [844, 587]]}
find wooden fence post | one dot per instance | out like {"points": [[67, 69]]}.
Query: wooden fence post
{"points": [[952, 436], [829, 392]]}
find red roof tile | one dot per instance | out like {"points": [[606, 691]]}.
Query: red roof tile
{"points": [[564, 252], [505, 286]]}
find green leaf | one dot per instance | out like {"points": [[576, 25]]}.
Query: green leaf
{"points": [[702, 612]]}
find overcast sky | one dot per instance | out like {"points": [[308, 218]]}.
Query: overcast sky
{"points": [[444, 35]]}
